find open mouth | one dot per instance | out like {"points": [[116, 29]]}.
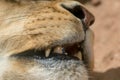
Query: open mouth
{"points": [[65, 52], [74, 51]]}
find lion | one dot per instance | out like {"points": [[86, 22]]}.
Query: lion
{"points": [[45, 40]]}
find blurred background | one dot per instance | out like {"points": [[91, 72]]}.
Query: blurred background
{"points": [[107, 39]]}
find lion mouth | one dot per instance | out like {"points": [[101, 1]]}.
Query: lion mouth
{"points": [[65, 52], [81, 50]]}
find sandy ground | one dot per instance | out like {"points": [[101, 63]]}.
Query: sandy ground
{"points": [[107, 40]]}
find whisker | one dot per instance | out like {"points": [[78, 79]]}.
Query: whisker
{"points": [[14, 17]]}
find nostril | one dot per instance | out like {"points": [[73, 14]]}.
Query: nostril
{"points": [[76, 11], [80, 12], [91, 22]]}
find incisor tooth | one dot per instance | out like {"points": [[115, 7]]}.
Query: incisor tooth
{"points": [[47, 52], [58, 50]]}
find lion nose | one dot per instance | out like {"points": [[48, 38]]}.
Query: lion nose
{"points": [[79, 11]]}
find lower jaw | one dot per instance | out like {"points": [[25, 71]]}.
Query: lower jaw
{"points": [[52, 69]]}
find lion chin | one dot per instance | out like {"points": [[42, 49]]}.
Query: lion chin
{"points": [[45, 40]]}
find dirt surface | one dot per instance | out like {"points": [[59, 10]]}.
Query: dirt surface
{"points": [[107, 40]]}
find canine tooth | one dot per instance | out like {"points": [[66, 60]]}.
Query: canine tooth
{"points": [[79, 55], [58, 50], [47, 52], [88, 49]]}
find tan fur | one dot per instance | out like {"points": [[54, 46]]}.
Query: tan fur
{"points": [[38, 24]]}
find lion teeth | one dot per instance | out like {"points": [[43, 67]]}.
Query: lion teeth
{"points": [[47, 52], [58, 50], [88, 49], [79, 55]]}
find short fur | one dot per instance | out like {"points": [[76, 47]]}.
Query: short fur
{"points": [[38, 24]]}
